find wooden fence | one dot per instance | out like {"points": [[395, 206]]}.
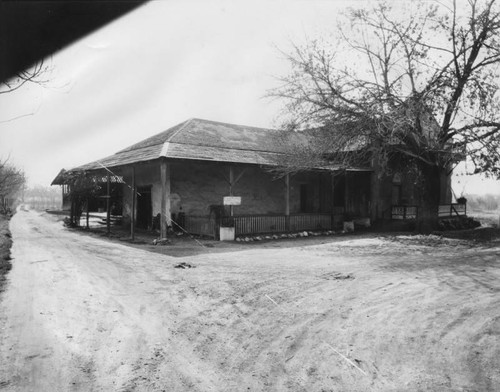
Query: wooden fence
{"points": [[444, 211], [452, 210], [404, 212], [262, 224], [200, 225], [257, 224], [268, 224]]}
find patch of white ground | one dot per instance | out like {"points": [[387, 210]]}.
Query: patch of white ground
{"points": [[372, 314]]}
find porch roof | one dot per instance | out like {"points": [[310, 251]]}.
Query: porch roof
{"points": [[205, 140]]}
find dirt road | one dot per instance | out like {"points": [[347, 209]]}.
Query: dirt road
{"points": [[410, 314]]}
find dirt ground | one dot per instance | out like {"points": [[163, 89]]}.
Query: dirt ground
{"points": [[367, 313]]}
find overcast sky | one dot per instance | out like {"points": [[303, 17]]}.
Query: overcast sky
{"points": [[155, 67]]}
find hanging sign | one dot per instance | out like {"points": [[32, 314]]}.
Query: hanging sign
{"points": [[232, 200]]}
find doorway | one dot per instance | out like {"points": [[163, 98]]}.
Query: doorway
{"points": [[396, 194], [305, 205], [144, 207]]}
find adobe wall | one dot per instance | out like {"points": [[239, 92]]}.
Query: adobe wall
{"points": [[197, 185], [145, 174]]}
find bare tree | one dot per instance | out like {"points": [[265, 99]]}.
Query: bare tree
{"points": [[12, 180], [416, 85], [33, 74]]}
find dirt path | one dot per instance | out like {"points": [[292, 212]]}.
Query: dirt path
{"points": [[84, 314]]}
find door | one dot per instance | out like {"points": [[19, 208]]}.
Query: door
{"points": [[304, 198], [396, 194], [144, 207]]}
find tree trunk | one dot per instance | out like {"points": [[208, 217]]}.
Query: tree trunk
{"points": [[429, 195], [77, 212], [72, 212]]}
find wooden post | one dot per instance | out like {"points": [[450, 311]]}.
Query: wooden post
{"points": [[132, 213], [287, 202], [108, 210], [375, 190], [87, 213], [231, 182], [72, 212], [346, 194], [165, 201]]}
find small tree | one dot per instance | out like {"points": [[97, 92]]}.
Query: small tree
{"points": [[82, 187], [420, 89]]}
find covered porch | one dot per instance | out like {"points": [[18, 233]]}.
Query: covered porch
{"points": [[182, 195]]}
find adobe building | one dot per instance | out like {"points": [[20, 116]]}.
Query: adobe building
{"points": [[198, 174]]}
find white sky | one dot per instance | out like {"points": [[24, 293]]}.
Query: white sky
{"points": [[157, 66]]}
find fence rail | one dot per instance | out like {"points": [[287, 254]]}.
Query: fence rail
{"points": [[404, 212], [310, 222], [262, 224], [256, 224], [199, 225], [444, 211], [267, 224], [452, 210]]}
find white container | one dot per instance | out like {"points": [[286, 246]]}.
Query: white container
{"points": [[226, 234]]}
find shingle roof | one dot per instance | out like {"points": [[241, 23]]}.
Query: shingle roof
{"points": [[205, 140], [124, 158], [201, 140], [206, 133]]}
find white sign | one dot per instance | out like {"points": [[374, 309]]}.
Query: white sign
{"points": [[232, 200]]}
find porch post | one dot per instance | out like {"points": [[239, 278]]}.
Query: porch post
{"points": [[374, 190], [231, 181], [132, 213], [72, 212], [108, 211], [87, 213], [287, 202], [62, 196], [165, 201], [346, 194]]}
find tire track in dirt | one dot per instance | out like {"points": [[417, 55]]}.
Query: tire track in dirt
{"points": [[140, 322], [372, 315]]}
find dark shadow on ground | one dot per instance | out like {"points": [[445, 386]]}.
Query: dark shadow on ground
{"points": [[186, 245]]}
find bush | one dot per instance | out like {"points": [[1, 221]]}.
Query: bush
{"points": [[462, 223]]}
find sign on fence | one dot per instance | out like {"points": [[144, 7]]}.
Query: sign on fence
{"points": [[232, 200]]}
